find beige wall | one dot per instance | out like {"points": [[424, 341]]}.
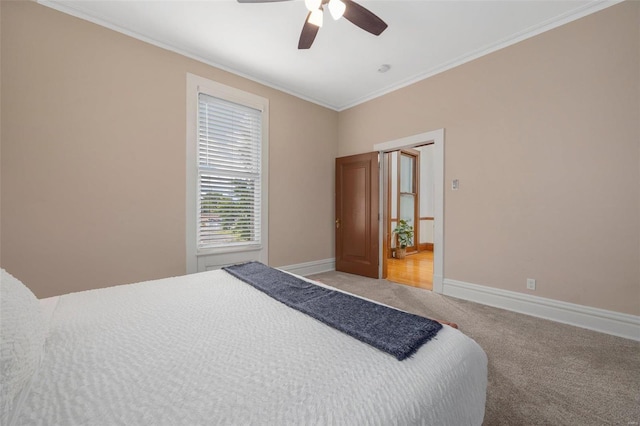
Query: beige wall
{"points": [[544, 138], [543, 135], [0, 135], [93, 157]]}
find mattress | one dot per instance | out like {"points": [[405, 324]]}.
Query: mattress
{"points": [[209, 349]]}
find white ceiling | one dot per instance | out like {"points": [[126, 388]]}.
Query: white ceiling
{"points": [[259, 41]]}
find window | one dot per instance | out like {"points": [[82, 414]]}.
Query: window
{"points": [[227, 147], [229, 163]]}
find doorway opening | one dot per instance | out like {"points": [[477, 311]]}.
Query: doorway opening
{"points": [[434, 139], [408, 198]]}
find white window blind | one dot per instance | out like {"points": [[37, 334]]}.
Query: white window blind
{"points": [[229, 173]]}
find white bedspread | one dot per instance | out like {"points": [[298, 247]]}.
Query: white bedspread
{"points": [[208, 349]]}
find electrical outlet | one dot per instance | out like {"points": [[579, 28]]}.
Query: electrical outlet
{"points": [[455, 184], [531, 284]]}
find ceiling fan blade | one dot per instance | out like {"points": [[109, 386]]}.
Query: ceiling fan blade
{"points": [[260, 1], [363, 18], [308, 34]]}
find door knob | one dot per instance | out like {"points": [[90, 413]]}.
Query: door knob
{"points": [[337, 223]]}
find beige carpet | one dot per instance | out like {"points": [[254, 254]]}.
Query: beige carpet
{"points": [[540, 372]]}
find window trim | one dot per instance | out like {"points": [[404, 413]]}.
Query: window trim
{"points": [[195, 85]]}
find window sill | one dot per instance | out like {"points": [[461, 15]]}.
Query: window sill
{"points": [[228, 249]]}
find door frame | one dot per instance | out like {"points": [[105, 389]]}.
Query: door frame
{"points": [[437, 138]]}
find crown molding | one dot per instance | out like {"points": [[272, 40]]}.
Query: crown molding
{"points": [[72, 11], [579, 12]]}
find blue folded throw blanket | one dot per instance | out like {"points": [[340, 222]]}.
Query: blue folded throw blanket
{"points": [[396, 332]]}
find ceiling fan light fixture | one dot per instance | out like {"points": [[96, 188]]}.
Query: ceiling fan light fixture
{"points": [[312, 4], [315, 18], [358, 15], [337, 8]]}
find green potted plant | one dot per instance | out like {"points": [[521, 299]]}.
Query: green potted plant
{"points": [[404, 232]]}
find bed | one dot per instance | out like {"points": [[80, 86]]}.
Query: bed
{"points": [[208, 349]]}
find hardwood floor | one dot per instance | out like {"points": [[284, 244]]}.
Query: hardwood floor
{"points": [[415, 270]]}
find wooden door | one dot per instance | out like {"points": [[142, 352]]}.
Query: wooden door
{"points": [[357, 228]]}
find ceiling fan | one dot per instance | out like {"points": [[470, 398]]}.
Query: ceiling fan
{"points": [[352, 11]]}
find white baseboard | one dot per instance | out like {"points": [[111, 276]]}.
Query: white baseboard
{"points": [[437, 283], [310, 268], [610, 322], [602, 320]]}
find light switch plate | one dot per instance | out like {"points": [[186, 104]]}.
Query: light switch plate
{"points": [[531, 284]]}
